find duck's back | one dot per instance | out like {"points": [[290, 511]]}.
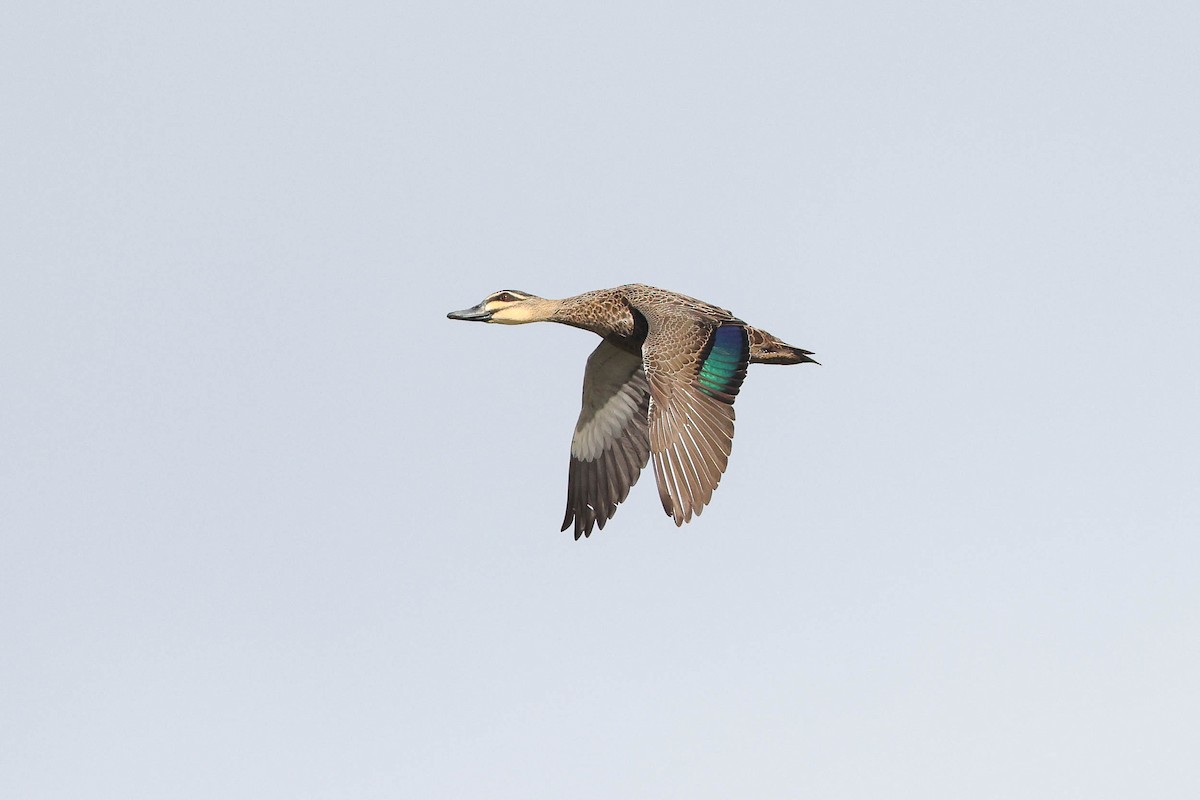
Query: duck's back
{"points": [[652, 302], [765, 348]]}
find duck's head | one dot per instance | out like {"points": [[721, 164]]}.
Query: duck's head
{"points": [[508, 307]]}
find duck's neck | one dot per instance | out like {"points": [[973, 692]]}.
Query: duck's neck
{"points": [[601, 312]]}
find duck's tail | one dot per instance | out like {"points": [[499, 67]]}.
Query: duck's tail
{"points": [[768, 349]]}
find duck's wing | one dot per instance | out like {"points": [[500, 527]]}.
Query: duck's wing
{"points": [[611, 444], [695, 368]]}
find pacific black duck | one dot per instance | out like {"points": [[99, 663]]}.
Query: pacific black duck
{"points": [[661, 384]]}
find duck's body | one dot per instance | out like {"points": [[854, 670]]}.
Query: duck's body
{"points": [[661, 384]]}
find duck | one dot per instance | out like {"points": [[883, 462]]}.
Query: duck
{"points": [[660, 385]]}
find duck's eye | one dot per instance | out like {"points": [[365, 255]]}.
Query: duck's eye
{"points": [[504, 297]]}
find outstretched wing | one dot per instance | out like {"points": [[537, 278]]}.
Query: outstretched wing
{"points": [[695, 370], [611, 444]]}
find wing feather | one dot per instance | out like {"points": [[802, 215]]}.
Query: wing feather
{"points": [[611, 444], [695, 370]]}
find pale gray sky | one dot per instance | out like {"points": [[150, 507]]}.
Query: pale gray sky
{"points": [[272, 527]]}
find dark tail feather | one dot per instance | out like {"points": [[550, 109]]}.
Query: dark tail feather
{"points": [[786, 354], [802, 356], [768, 349]]}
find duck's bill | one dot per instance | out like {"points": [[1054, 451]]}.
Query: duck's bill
{"points": [[474, 314]]}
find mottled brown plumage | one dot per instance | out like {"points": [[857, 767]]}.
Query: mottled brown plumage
{"points": [[661, 385]]}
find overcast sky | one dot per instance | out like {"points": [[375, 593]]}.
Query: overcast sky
{"points": [[272, 527]]}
